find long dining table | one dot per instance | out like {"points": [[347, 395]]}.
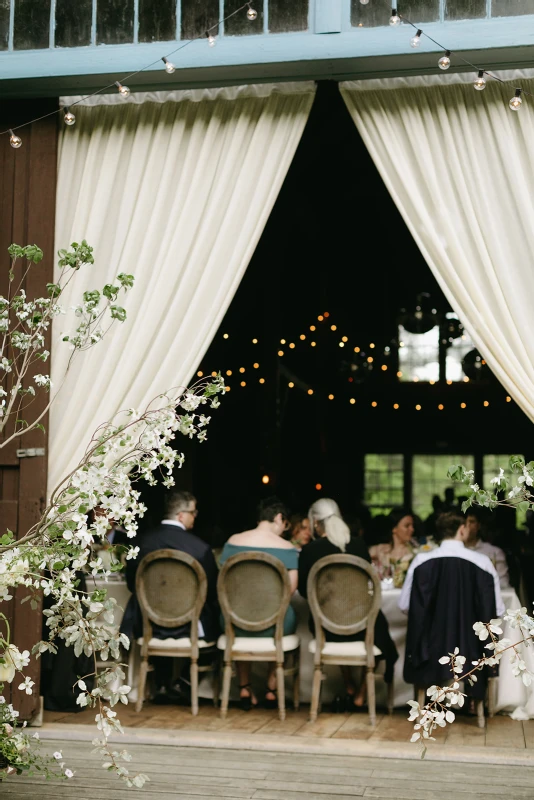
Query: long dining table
{"points": [[512, 696]]}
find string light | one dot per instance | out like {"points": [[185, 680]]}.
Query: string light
{"points": [[211, 39], [291, 384], [262, 380], [200, 373], [416, 40], [310, 391], [326, 314], [384, 367], [214, 374], [480, 81], [394, 20], [356, 349], [280, 353], [463, 405], [241, 369], [374, 404], [227, 388], [302, 337], [330, 396], [333, 327], [318, 486], [508, 399], [449, 383], [344, 339], [352, 401], [320, 317], [123, 90], [228, 372], [313, 344], [445, 61], [516, 102], [369, 359], [399, 374], [254, 341], [486, 404], [372, 345], [169, 66], [342, 344], [265, 479], [292, 346], [69, 117], [465, 379], [418, 407], [243, 383], [14, 140], [282, 341], [256, 365], [395, 406], [225, 336], [441, 406], [251, 13], [313, 328]]}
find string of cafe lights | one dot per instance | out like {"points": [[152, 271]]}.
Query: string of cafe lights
{"points": [[69, 118], [445, 61], [330, 396]]}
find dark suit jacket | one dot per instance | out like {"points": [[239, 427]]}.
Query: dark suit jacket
{"points": [[174, 538]]}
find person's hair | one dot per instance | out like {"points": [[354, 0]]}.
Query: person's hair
{"points": [[178, 501], [327, 512], [270, 507], [447, 525]]}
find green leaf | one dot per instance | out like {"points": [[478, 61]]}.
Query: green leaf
{"points": [[92, 296], [15, 251], [110, 291], [126, 281], [516, 463], [33, 253], [118, 313], [523, 506], [53, 289]]}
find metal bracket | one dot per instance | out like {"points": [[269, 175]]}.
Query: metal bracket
{"points": [[30, 452]]}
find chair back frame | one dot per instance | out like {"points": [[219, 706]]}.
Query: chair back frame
{"points": [[151, 616], [322, 622], [231, 618]]}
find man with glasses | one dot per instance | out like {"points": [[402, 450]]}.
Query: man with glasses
{"points": [[174, 532]]}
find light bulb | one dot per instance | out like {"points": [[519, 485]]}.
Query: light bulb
{"points": [[445, 61], [169, 66], [416, 40], [480, 81], [251, 13], [69, 117], [394, 20], [211, 39], [14, 140], [123, 90], [364, 2], [516, 101]]}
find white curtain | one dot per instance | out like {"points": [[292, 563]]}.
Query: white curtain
{"points": [[459, 165], [176, 188]]}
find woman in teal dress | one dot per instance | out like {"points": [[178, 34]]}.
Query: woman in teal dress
{"points": [[265, 538]]}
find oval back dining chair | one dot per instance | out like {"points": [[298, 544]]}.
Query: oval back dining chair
{"points": [[254, 593], [171, 589], [344, 596]]}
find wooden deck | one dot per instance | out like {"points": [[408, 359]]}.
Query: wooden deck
{"points": [[501, 731], [207, 774]]}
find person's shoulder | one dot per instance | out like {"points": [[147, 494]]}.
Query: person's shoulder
{"points": [[283, 544]]}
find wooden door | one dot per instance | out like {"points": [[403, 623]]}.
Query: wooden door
{"points": [[27, 216]]}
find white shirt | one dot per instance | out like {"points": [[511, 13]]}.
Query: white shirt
{"points": [[455, 549], [497, 558], [173, 522]]}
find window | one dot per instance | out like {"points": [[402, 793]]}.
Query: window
{"points": [[458, 348], [384, 482], [419, 355], [429, 476]]}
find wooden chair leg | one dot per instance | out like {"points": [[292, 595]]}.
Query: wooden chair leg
{"points": [[143, 671], [421, 696], [296, 680], [371, 698], [480, 714], [194, 687], [391, 697], [492, 701], [227, 677], [281, 689], [316, 689], [216, 682]]}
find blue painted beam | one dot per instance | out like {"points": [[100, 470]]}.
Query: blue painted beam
{"points": [[359, 53]]}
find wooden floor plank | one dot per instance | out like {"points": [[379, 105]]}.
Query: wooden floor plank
{"points": [[324, 726]]}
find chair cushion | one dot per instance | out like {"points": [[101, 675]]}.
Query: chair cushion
{"points": [[352, 649], [175, 644], [258, 644]]}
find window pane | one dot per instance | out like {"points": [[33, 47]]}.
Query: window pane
{"points": [[288, 15], [375, 14], [157, 21], [198, 16], [465, 9], [429, 477], [32, 24], [4, 24], [419, 355], [459, 347], [511, 8], [240, 24], [384, 481], [114, 21], [73, 23]]}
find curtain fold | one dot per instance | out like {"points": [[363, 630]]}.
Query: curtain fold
{"points": [[176, 191], [459, 165]]}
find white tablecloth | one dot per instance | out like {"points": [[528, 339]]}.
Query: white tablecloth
{"points": [[512, 696]]}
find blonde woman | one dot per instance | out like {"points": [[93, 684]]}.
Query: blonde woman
{"points": [[333, 537]]}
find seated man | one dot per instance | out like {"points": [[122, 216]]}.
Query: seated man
{"points": [[446, 591], [495, 554], [174, 533]]}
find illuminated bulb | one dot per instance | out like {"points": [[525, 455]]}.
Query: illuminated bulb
{"points": [[356, 349], [416, 379], [466, 379], [313, 344], [344, 339], [418, 407], [384, 367], [399, 374], [254, 341], [333, 327], [225, 336], [200, 373], [169, 66], [416, 40], [374, 404], [441, 407], [371, 345], [432, 383], [211, 39], [508, 399], [318, 486], [486, 404], [401, 344], [445, 61], [123, 90], [394, 20], [291, 384], [370, 360], [251, 13], [280, 352], [326, 314], [516, 101], [256, 365], [213, 374], [342, 344], [292, 346], [330, 396], [395, 405], [480, 81], [243, 383], [302, 337], [69, 117], [313, 328], [14, 140], [228, 371], [265, 479], [352, 401], [449, 383], [462, 405], [227, 388], [310, 391], [262, 380], [320, 318], [282, 341], [241, 369]]}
